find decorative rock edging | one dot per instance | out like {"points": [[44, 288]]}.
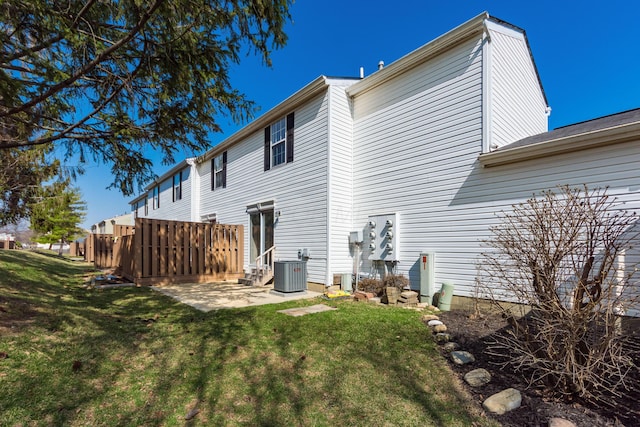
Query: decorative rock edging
{"points": [[462, 357], [477, 377], [503, 402], [499, 403], [560, 422]]}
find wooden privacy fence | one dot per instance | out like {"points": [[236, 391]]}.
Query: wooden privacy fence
{"points": [[159, 251], [76, 249]]}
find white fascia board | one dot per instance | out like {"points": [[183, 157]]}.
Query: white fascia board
{"points": [[286, 106], [168, 174], [573, 143], [178, 167], [460, 34]]}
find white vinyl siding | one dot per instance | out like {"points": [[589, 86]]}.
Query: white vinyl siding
{"points": [[179, 210], [416, 140], [299, 190], [498, 188], [340, 179], [517, 101]]}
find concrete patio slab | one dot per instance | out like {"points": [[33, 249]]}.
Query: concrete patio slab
{"points": [[215, 296]]}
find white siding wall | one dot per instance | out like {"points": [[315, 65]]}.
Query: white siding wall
{"points": [[498, 188], [341, 176], [299, 189], [179, 210], [517, 102], [416, 139]]}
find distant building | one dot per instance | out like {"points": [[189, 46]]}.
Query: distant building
{"points": [[106, 226]]}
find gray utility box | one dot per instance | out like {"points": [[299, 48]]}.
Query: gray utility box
{"points": [[290, 276]]}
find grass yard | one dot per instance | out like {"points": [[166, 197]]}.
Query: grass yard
{"points": [[131, 357]]}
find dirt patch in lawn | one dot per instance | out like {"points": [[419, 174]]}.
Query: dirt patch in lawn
{"points": [[537, 407]]}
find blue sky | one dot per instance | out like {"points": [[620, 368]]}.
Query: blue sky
{"points": [[587, 54]]}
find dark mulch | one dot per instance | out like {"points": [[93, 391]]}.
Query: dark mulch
{"points": [[537, 407]]}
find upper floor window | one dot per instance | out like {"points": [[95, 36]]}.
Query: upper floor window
{"points": [[156, 197], [219, 171], [146, 205], [177, 186], [278, 142]]}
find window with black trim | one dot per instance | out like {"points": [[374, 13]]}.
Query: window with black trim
{"points": [[177, 186], [278, 142], [219, 171], [156, 197]]}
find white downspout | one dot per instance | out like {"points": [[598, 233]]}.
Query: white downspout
{"points": [[194, 178], [328, 279], [486, 91]]}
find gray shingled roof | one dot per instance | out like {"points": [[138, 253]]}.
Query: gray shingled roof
{"points": [[600, 123]]}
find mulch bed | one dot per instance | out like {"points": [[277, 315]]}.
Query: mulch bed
{"points": [[537, 407]]}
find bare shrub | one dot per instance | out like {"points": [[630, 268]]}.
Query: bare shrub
{"points": [[378, 287], [395, 281], [374, 286], [567, 259]]}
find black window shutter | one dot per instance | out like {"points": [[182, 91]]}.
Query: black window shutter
{"points": [[224, 170], [213, 174], [267, 148], [290, 138]]}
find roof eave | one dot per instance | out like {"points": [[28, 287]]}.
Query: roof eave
{"points": [[452, 38], [295, 100], [599, 138]]}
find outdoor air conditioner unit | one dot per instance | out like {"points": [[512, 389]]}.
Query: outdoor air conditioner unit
{"points": [[289, 276]]}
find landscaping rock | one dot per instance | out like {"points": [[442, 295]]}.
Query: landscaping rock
{"points": [[449, 346], [462, 357], [392, 295], [477, 377], [503, 402], [434, 323], [560, 422], [427, 317], [440, 328], [375, 300], [408, 298], [362, 296], [442, 338]]}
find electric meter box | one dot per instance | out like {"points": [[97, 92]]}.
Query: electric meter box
{"points": [[382, 237]]}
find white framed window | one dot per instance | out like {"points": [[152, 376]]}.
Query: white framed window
{"points": [[156, 197], [177, 186], [278, 142], [146, 206], [218, 171]]}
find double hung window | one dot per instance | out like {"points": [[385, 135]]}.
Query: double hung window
{"points": [[219, 171], [278, 142]]}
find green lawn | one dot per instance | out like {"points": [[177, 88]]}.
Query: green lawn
{"points": [[131, 357]]}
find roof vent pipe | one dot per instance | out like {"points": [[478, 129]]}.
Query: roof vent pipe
{"points": [[380, 65], [362, 72]]}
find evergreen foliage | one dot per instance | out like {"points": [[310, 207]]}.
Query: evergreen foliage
{"points": [[109, 80]]}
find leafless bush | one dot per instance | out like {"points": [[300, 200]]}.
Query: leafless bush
{"points": [[567, 259], [374, 286], [395, 281]]}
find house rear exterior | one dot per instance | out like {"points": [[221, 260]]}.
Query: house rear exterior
{"points": [[417, 157]]}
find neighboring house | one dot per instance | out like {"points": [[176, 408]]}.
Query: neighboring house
{"points": [[106, 226], [170, 197], [421, 154]]}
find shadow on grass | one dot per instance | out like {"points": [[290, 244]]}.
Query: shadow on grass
{"points": [[130, 356]]}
